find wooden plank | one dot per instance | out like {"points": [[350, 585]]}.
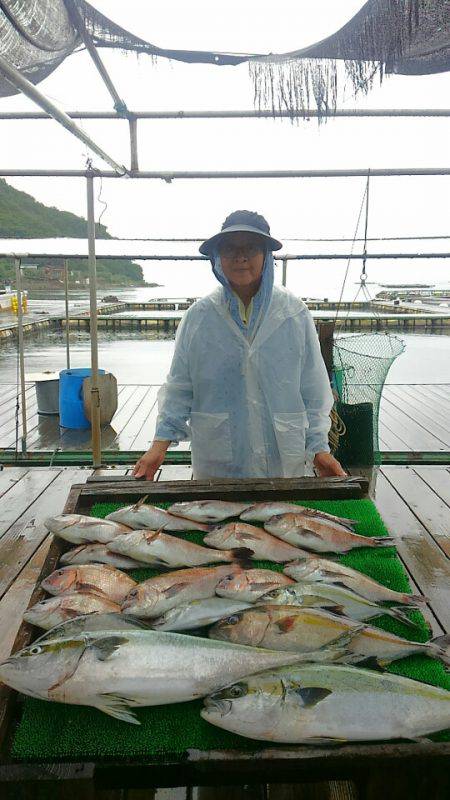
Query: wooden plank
{"points": [[429, 508], [131, 402], [22, 495], [428, 405], [415, 436], [388, 437], [9, 476], [138, 422], [438, 478], [325, 790], [422, 557], [176, 472], [415, 410], [25, 535]]}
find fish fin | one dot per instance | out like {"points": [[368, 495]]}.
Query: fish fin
{"points": [[416, 599], [397, 613], [419, 739], [310, 695], [89, 587], [443, 645], [372, 662], [381, 541], [139, 503], [108, 645], [309, 534], [171, 591], [243, 555], [116, 706], [286, 624]]}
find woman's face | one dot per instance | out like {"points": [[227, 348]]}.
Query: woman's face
{"points": [[242, 258]]}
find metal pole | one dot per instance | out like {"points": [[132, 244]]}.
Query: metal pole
{"points": [[95, 396], [202, 175], [66, 298], [284, 278], [240, 114], [26, 87], [21, 357], [134, 162]]}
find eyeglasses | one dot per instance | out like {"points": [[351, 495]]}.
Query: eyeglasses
{"points": [[247, 250]]}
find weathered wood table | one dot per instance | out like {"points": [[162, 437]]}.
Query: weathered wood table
{"points": [[415, 505]]}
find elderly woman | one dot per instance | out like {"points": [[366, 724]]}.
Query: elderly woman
{"points": [[247, 384]]}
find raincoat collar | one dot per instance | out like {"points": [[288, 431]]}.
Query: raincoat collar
{"points": [[261, 300]]}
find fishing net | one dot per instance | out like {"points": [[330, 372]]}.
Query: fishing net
{"points": [[385, 36], [361, 365]]}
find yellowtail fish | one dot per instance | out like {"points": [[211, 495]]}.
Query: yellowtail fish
{"points": [[197, 614], [142, 515], [263, 545], [322, 704], [59, 609], [337, 599], [208, 510], [324, 571], [153, 597], [100, 579], [262, 512], [251, 584], [89, 623], [305, 630], [79, 529], [320, 536], [98, 554], [116, 671], [163, 550]]}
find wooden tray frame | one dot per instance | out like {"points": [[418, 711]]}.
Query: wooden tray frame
{"points": [[295, 764]]}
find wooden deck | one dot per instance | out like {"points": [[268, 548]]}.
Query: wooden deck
{"points": [[412, 418], [414, 503]]}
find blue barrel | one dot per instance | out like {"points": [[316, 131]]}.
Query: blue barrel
{"points": [[71, 409]]}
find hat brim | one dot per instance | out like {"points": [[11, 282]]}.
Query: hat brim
{"points": [[209, 245]]}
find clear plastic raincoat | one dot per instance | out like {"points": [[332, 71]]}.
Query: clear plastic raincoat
{"points": [[253, 404]]}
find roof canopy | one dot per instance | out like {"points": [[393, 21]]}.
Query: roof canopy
{"points": [[385, 36]]}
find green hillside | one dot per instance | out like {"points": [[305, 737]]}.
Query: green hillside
{"points": [[22, 217]]}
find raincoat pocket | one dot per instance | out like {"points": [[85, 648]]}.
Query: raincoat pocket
{"points": [[290, 431], [210, 444]]}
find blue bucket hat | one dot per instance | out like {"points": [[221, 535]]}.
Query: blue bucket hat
{"points": [[241, 221]]}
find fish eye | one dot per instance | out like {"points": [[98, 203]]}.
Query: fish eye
{"points": [[236, 691], [35, 651], [234, 619], [133, 593]]}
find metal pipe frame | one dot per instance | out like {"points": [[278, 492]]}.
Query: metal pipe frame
{"points": [[301, 257], [95, 395], [21, 354], [236, 114], [66, 308], [168, 177]]}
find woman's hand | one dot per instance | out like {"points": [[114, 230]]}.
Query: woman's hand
{"points": [[150, 462], [327, 466]]}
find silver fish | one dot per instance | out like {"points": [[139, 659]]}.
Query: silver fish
{"points": [[262, 512], [116, 671], [208, 510], [317, 704], [263, 545], [324, 571], [164, 550], [308, 629], [153, 597], [99, 554], [141, 516], [337, 599], [79, 529], [55, 610], [197, 614], [320, 536], [88, 623], [251, 584], [99, 579]]}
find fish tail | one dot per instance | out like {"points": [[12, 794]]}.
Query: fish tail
{"points": [[414, 599], [381, 541], [441, 647], [242, 555], [397, 613]]}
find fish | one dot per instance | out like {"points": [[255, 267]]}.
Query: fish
{"points": [[324, 571], [164, 550], [55, 610], [153, 597], [318, 535], [262, 512], [87, 623], [99, 554], [305, 630], [99, 579], [116, 671], [322, 704], [208, 510], [263, 545], [142, 515], [79, 529], [197, 614], [337, 599], [250, 584]]}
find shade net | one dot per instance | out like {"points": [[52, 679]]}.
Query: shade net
{"points": [[385, 36], [361, 365]]}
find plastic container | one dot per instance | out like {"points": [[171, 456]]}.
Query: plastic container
{"points": [[71, 408]]}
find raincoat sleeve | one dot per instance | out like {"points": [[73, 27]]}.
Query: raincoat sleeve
{"points": [[316, 392], [175, 396]]}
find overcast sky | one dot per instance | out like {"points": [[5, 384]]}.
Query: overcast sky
{"points": [[295, 207]]}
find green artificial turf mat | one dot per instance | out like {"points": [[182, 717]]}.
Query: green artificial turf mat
{"points": [[49, 731]]}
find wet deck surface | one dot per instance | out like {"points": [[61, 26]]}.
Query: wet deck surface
{"points": [[413, 501], [412, 418]]}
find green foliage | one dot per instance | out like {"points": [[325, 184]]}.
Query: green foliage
{"points": [[22, 217]]}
